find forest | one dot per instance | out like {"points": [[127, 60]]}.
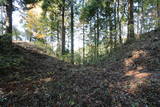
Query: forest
{"points": [[79, 53]]}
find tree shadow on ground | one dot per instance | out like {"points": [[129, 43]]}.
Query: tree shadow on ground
{"points": [[45, 81]]}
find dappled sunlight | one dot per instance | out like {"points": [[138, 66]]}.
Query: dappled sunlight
{"points": [[135, 55], [138, 54], [137, 74], [134, 85], [134, 69], [128, 62], [142, 75], [86, 53], [49, 79], [136, 78]]}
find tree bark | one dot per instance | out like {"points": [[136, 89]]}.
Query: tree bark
{"points": [[158, 13], [83, 40], [130, 20], [58, 39], [111, 30], [72, 32], [95, 39], [98, 34], [63, 28], [142, 17], [115, 25], [119, 22], [9, 7]]}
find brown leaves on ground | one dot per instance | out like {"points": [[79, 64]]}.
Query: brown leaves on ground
{"points": [[133, 80]]}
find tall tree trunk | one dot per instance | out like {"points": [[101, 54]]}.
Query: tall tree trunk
{"points": [[106, 35], [130, 20], [91, 48], [98, 34], [83, 39], [63, 28], [58, 39], [138, 21], [72, 32], [111, 31], [95, 39], [83, 44], [158, 13], [119, 22], [115, 25], [9, 7], [142, 17]]}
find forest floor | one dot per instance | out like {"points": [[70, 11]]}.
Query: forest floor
{"points": [[129, 78]]}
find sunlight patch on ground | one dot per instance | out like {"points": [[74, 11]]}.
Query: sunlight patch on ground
{"points": [[138, 78], [134, 85], [138, 54], [137, 74], [128, 62], [46, 79], [135, 55]]}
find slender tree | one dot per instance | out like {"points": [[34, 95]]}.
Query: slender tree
{"points": [[111, 30], [98, 33], [119, 22], [83, 43], [63, 27], [58, 38], [83, 37], [9, 8], [115, 24], [158, 12], [72, 32], [130, 20], [142, 17]]}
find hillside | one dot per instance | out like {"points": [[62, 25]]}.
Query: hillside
{"points": [[128, 77]]}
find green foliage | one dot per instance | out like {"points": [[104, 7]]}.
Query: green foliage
{"points": [[2, 1], [89, 10], [94, 6]]}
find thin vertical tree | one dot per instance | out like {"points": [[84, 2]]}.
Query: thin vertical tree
{"points": [[98, 35], [9, 8], [83, 37], [158, 12], [142, 17], [110, 30], [130, 20], [58, 38], [72, 32], [115, 23], [63, 27], [119, 22]]}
